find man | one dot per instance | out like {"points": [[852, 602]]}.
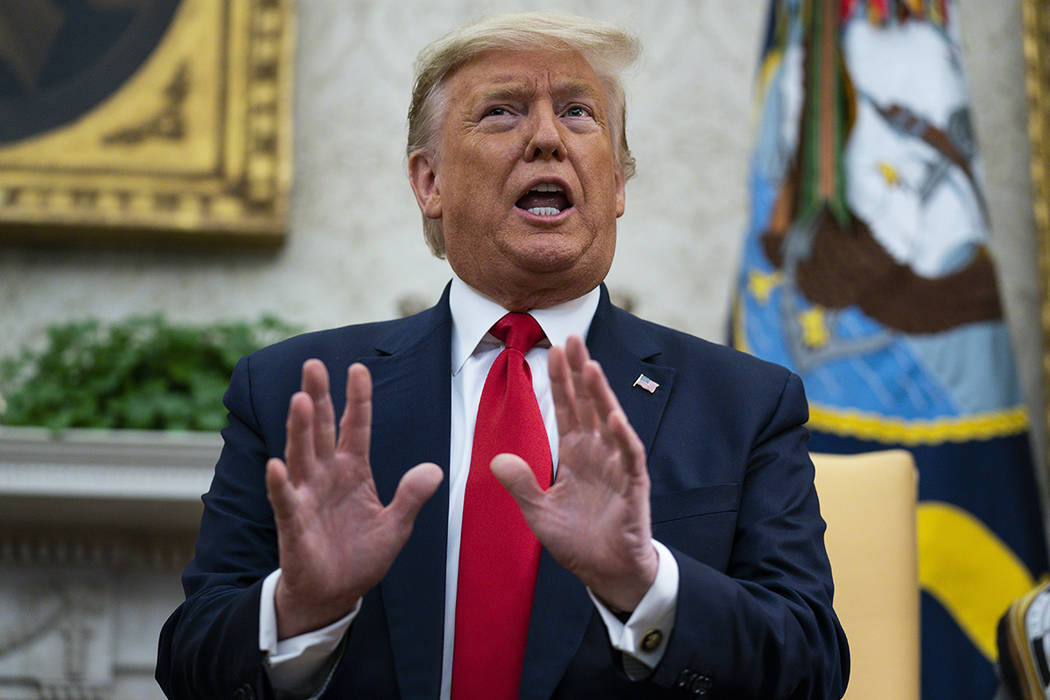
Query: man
{"points": [[682, 549]]}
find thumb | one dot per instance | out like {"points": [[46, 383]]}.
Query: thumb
{"points": [[514, 473], [417, 485]]}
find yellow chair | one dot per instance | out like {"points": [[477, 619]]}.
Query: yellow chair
{"points": [[868, 502]]}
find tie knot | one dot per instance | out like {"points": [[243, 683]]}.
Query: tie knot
{"points": [[518, 331]]}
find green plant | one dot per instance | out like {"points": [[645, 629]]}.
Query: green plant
{"points": [[143, 373]]}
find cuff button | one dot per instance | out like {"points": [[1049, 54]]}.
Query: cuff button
{"points": [[651, 640]]}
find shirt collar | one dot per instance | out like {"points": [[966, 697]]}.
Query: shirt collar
{"points": [[473, 314]]}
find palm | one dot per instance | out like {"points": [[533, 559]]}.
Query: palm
{"points": [[336, 540], [594, 519]]}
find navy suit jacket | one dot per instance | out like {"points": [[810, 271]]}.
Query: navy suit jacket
{"points": [[732, 497]]}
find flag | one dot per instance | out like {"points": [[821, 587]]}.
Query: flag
{"points": [[646, 383], [866, 270]]}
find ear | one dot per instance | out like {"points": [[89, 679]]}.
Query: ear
{"points": [[422, 174], [621, 195]]}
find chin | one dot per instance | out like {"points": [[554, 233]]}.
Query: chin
{"points": [[547, 261], [547, 249]]}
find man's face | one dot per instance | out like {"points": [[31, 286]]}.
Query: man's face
{"points": [[525, 178]]}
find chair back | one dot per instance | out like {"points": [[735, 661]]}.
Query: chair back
{"points": [[868, 501]]}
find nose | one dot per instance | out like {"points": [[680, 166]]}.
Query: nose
{"points": [[544, 135]]}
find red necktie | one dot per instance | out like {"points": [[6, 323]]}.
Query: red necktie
{"points": [[499, 555]]}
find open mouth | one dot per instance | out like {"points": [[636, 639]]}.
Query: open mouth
{"points": [[544, 199]]}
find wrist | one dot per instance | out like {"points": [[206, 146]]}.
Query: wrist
{"points": [[301, 613], [621, 596]]}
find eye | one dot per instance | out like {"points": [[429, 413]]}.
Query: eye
{"points": [[577, 111], [496, 112]]}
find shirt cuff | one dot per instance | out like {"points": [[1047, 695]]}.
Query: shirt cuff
{"points": [[643, 638], [298, 666]]}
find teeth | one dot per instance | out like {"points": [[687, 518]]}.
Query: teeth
{"points": [[544, 211], [546, 187]]}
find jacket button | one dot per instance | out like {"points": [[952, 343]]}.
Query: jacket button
{"points": [[245, 692]]}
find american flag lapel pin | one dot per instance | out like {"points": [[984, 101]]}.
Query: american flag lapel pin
{"points": [[646, 383]]}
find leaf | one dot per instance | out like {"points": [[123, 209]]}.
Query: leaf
{"points": [[142, 372]]}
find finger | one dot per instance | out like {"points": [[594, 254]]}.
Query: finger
{"points": [[561, 391], [279, 490], [315, 383], [632, 451], [614, 424], [576, 352], [299, 446], [355, 428], [602, 396], [518, 478], [416, 486]]}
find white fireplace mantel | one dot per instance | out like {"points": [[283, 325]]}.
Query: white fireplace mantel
{"points": [[105, 477], [95, 527]]}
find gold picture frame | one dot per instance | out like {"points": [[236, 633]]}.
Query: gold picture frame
{"points": [[193, 146], [1036, 18]]}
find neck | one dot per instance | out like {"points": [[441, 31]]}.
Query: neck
{"points": [[527, 300], [532, 293]]}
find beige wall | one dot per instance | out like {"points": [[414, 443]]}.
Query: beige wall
{"points": [[991, 41], [355, 246]]}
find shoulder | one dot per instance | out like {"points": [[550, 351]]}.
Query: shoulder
{"points": [[734, 392], [350, 341], [340, 346], [263, 381], [694, 355]]}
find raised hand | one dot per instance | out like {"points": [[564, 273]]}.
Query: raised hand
{"points": [[594, 519], [336, 540]]}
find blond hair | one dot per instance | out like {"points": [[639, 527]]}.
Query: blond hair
{"points": [[607, 48]]}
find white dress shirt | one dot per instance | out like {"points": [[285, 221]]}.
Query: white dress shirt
{"points": [[298, 666]]}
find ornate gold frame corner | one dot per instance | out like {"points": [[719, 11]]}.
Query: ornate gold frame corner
{"points": [[194, 147]]}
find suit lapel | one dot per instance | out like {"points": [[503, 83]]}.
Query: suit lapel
{"points": [[411, 424], [624, 348], [562, 609]]}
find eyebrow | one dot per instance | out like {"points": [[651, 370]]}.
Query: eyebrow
{"points": [[514, 89], [571, 87], [504, 90]]}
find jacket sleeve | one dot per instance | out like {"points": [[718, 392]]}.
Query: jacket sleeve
{"points": [[763, 626], [209, 647]]}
